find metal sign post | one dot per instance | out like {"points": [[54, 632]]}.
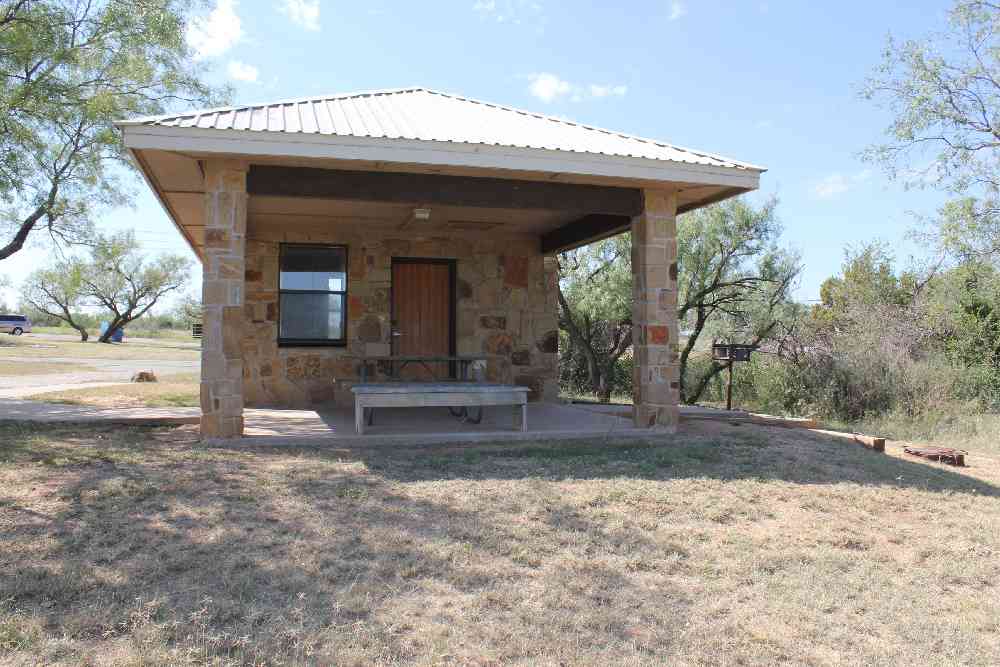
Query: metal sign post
{"points": [[731, 352]]}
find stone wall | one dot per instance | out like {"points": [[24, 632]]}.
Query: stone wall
{"points": [[656, 373], [506, 307], [222, 295]]}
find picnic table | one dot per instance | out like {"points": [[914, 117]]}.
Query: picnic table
{"points": [[367, 397], [457, 394], [396, 363]]}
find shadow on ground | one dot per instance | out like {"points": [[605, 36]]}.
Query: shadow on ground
{"points": [[143, 544], [714, 450]]}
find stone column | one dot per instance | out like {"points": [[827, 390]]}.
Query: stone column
{"points": [[655, 379], [223, 266]]}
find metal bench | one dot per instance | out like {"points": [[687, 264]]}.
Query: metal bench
{"points": [[436, 394]]}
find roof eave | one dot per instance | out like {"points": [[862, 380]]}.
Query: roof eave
{"points": [[439, 153], [150, 178]]}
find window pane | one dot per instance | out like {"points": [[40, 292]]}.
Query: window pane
{"points": [[312, 316], [319, 268]]}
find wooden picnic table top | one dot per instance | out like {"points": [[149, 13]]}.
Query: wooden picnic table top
{"points": [[433, 387]]}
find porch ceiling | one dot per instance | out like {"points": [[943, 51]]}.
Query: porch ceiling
{"points": [[267, 210], [177, 178]]}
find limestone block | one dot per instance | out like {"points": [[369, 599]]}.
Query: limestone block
{"points": [[466, 324], [488, 294], [377, 349], [521, 357], [355, 307], [498, 343], [370, 329], [515, 271], [378, 300]]}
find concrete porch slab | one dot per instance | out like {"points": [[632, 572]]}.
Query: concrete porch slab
{"points": [[417, 426]]}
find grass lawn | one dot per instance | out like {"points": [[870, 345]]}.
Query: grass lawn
{"points": [[180, 390], [40, 367], [28, 345], [730, 545], [172, 334], [969, 430]]}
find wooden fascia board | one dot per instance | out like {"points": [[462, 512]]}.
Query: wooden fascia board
{"points": [[588, 229], [592, 228], [433, 189]]}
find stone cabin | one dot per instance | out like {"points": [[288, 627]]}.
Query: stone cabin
{"points": [[412, 222]]}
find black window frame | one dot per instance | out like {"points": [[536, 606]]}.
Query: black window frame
{"points": [[315, 342]]}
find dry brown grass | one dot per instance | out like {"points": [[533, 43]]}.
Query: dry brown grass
{"points": [[28, 345], [40, 367], [180, 390], [730, 545]]}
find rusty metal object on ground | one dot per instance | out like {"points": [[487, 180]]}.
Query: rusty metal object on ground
{"points": [[955, 457]]}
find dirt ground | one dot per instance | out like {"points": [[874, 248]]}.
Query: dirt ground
{"points": [[722, 545]]}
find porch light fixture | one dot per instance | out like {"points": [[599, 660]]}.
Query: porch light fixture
{"points": [[419, 215]]}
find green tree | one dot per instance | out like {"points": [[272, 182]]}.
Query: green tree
{"points": [[69, 70], [943, 92], [188, 310], [867, 278], [4, 284], [57, 291], [595, 308], [734, 282], [119, 278]]}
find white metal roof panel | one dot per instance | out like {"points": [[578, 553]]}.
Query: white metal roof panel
{"points": [[426, 115]]}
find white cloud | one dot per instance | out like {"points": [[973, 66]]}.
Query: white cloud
{"points": [[837, 184], [831, 186], [549, 87], [604, 91], [677, 10], [216, 32], [242, 72], [302, 12]]}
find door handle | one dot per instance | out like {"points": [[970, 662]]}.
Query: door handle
{"points": [[396, 333]]}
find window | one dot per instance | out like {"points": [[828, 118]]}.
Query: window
{"points": [[312, 295]]}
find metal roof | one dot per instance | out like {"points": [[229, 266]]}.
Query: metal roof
{"points": [[427, 115]]}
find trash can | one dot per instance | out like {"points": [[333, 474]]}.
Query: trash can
{"points": [[118, 336]]}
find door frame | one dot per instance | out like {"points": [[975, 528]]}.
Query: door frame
{"points": [[452, 265]]}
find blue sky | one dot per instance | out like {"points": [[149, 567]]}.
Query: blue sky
{"points": [[769, 82]]}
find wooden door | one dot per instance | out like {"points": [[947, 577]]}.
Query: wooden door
{"points": [[423, 313]]}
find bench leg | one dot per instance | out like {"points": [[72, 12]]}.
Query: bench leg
{"points": [[359, 417], [524, 417]]}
